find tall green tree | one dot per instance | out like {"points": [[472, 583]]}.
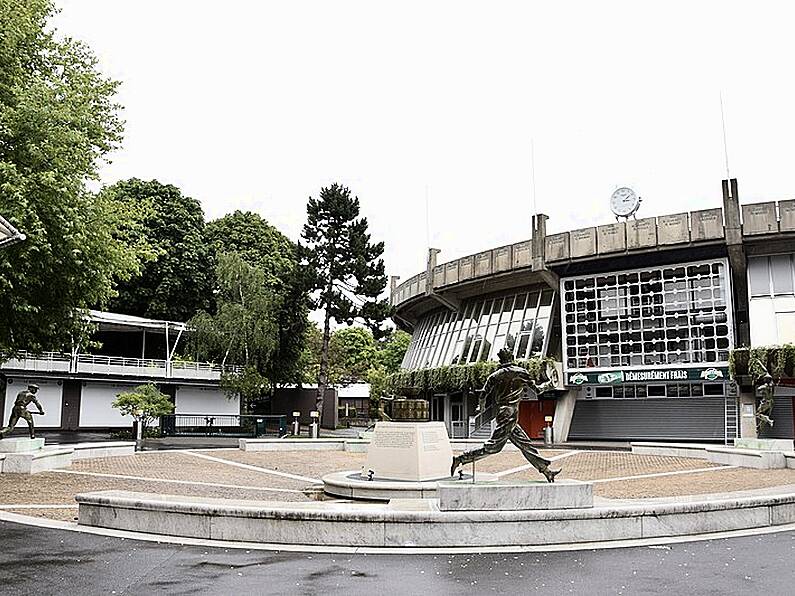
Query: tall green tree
{"points": [[392, 349], [178, 283], [261, 245], [58, 121], [347, 271], [243, 332]]}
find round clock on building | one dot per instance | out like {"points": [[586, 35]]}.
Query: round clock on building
{"points": [[624, 202]]}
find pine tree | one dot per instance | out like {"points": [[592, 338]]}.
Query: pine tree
{"points": [[346, 269]]}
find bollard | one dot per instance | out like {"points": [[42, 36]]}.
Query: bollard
{"points": [[548, 431], [296, 430], [314, 427]]}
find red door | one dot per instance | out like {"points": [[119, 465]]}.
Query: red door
{"points": [[531, 416]]}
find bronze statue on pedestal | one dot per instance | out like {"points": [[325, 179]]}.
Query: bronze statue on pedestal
{"points": [[506, 386], [20, 410]]}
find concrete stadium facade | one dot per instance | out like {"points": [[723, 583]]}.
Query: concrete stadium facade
{"points": [[640, 316]]}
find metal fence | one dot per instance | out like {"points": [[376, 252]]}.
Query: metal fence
{"points": [[222, 425]]}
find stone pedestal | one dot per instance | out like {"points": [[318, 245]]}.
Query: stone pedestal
{"points": [[20, 444], [513, 496], [412, 451]]}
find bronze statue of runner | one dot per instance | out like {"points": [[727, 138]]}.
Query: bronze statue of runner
{"points": [[505, 386]]}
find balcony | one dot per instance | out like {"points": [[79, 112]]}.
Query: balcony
{"points": [[113, 366]]}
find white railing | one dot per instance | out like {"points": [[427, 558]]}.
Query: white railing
{"points": [[44, 362], [113, 365]]}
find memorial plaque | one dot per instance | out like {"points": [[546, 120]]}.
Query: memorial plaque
{"points": [[611, 238], [582, 243], [673, 229], [642, 233], [706, 224], [556, 247], [502, 259], [522, 254], [760, 218], [438, 276], [395, 437], [451, 273], [465, 268], [413, 451], [787, 211], [483, 263]]}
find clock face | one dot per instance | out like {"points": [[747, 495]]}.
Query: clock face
{"points": [[624, 201]]}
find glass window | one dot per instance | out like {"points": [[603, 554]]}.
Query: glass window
{"points": [[781, 269], [479, 330], [675, 315], [759, 276]]}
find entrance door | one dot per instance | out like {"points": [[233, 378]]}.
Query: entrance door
{"points": [[70, 404], [531, 416], [458, 425]]}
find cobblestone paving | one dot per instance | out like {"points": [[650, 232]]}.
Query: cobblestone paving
{"points": [[312, 464], [181, 466], [60, 488], [699, 483], [505, 460], [594, 465]]}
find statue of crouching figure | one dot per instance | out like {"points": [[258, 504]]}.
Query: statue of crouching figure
{"points": [[20, 410], [505, 386]]}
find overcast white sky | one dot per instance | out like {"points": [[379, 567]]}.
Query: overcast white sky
{"points": [[256, 105]]}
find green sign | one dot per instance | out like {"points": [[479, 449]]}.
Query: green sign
{"points": [[656, 375]]}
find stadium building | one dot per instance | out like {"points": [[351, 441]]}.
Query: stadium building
{"points": [[641, 316]]}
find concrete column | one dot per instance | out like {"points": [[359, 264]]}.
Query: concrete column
{"points": [[737, 261], [747, 402], [432, 252], [393, 279], [539, 223], [564, 411]]}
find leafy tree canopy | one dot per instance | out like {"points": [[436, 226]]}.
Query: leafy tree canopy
{"points": [[354, 355], [243, 331], [261, 245], [145, 404], [392, 349], [178, 282], [58, 120]]}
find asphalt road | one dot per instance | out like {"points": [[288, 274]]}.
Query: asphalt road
{"points": [[43, 561]]}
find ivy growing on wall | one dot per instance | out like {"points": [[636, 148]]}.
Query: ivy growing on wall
{"points": [[779, 361], [456, 377], [766, 365]]}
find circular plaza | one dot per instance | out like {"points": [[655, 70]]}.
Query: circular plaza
{"points": [[285, 488]]}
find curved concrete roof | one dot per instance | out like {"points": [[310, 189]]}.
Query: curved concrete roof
{"points": [[758, 227]]}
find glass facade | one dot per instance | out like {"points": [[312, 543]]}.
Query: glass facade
{"points": [[677, 315], [771, 285], [481, 328]]}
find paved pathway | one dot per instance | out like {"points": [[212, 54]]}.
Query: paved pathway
{"points": [[40, 561]]}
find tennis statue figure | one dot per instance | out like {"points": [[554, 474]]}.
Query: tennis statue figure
{"points": [[505, 387], [20, 410]]}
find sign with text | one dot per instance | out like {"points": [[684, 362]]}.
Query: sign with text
{"points": [[657, 375]]}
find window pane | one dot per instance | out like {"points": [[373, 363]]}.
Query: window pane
{"points": [[781, 268], [759, 276]]}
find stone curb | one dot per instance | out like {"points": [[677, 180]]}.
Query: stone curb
{"points": [[416, 523]]}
